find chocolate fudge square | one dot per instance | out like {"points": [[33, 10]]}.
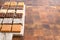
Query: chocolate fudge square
{"points": [[18, 15], [9, 15], [2, 15]]}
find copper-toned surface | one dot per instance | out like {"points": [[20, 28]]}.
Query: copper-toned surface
{"points": [[16, 28], [6, 28], [42, 23]]}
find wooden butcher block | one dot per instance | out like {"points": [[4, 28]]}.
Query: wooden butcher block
{"points": [[6, 28], [16, 28]]}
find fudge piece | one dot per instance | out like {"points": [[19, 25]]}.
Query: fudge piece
{"points": [[16, 28], [10, 13], [7, 20], [17, 21], [6, 28], [6, 4], [2, 12], [20, 5], [13, 4], [19, 13]]}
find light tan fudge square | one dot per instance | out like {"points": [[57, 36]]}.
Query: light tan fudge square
{"points": [[21, 4], [13, 4], [16, 28], [7, 3], [6, 28]]}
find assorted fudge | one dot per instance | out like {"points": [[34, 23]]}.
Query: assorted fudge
{"points": [[11, 14]]}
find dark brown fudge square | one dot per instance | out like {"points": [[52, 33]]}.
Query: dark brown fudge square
{"points": [[18, 15], [2, 15], [9, 15]]}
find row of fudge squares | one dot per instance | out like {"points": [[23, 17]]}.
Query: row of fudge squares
{"points": [[10, 28], [11, 13], [11, 7], [11, 21], [13, 4]]}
